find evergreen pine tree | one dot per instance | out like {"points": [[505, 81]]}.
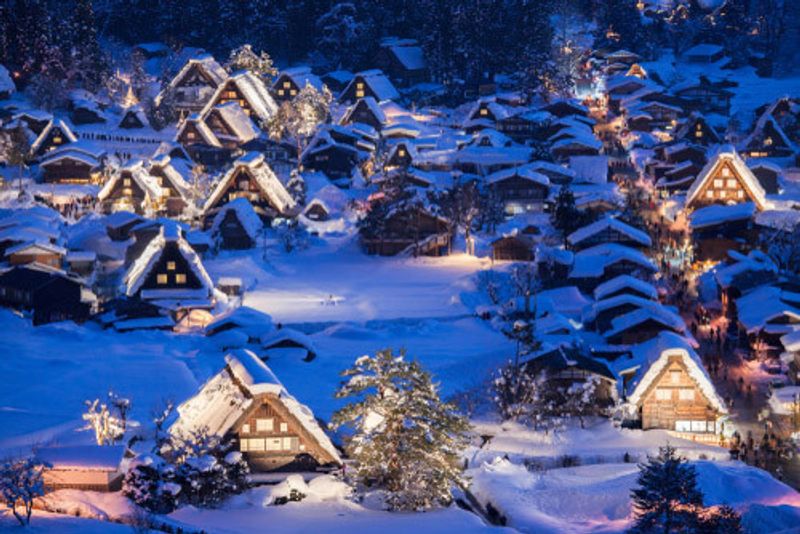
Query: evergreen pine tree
{"points": [[566, 216], [407, 441], [88, 64], [667, 498]]}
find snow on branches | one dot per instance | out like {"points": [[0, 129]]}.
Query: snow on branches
{"points": [[109, 421], [407, 442], [20, 483]]}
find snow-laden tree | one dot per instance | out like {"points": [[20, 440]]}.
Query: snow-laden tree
{"points": [[666, 498], [516, 393], [298, 119], [20, 483], [14, 150], [344, 37], [245, 58], [406, 441], [581, 399], [108, 420]]}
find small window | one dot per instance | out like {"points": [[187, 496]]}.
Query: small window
{"points": [[731, 183], [170, 265], [768, 141], [243, 445], [675, 376], [484, 112], [717, 183], [180, 278], [359, 93], [284, 427], [726, 172], [698, 134], [723, 194], [161, 279], [246, 428], [709, 194], [360, 86], [683, 426], [57, 140], [663, 394], [265, 425], [740, 194], [287, 85], [293, 93], [401, 152], [281, 92], [274, 444], [126, 182], [686, 394]]}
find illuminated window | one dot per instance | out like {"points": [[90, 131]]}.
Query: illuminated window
{"points": [[726, 172], [229, 94], [284, 427], [360, 86], [675, 377], [265, 425], [484, 112], [709, 194], [180, 278], [768, 141], [170, 265], [717, 183], [274, 444], [698, 426], [401, 152], [126, 182], [698, 134], [740, 194], [292, 93], [246, 428], [683, 426], [723, 194], [57, 140], [287, 85], [359, 93], [190, 136], [663, 394], [731, 183], [686, 394], [280, 92], [161, 279]]}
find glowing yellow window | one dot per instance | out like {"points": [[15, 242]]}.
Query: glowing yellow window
{"points": [[698, 134], [287, 85], [726, 172], [180, 278], [740, 194], [768, 141], [731, 183], [709, 194], [360, 86], [293, 93], [723, 194], [280, 92], [170, 265], [401, 152], [57, 140], [126, 182], [717, 183], [484, 112], [161, 279], [359, 93]]}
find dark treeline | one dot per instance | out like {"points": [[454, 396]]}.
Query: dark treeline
{"points": [[463, 40]]}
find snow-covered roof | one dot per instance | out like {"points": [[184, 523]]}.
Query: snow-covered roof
{"points": [[650, 311], [591, 262], [704, 49], [726, 154], [247, 216], [371, 104], [253, 90], [83, 457], [653, 356], [6, 83], [136, 171], [256, 167], [300, 76], [36, 247], [227, 396], [140, 269], [624, 281], [767, 119], [54, 123], [378, 82], [762, 304], [524, 171], [207, 64], [237, 120], [411, 57], [752, 262], [609, 223], [202, 128], [719, 214], [177, 172], [589, 169], [252, 322]]}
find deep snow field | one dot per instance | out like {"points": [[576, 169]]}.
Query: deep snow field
{"points": [[349, 304]]}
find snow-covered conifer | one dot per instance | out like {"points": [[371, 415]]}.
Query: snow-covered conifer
{"points": [[245, 58], [406, 441]]}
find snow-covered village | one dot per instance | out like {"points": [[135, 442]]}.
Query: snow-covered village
{"points": [[393, 266]]}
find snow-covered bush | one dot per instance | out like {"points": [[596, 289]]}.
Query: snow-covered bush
{"points": [[20, 483], [407, 441], [199, 471], [319, 489], [107, 428]]}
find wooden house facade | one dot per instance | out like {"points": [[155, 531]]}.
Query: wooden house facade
{"points": [[725, 180], [132, 188], [192, 87], [54, 135], [513, 248], [50, 295], [521, 190], [373, 83], [75, 163], [412, 231]]}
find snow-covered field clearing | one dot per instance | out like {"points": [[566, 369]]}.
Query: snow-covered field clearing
{"points": [[337, 282]]}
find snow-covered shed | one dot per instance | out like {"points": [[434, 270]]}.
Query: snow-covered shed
{"points": [[236, 225], [247, 403], [608, 230], [88, 468]]}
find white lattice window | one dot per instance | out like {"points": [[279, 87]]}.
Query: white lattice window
{"points": [[686, 394], [663, 394], [265, 425]]}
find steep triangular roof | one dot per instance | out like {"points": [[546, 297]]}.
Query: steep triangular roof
{"points": [[206, 63], [727, 155], [54, 123], [139, 174], [609, 223], [228, 396], [252, 89], [257, 167], [140, 269]]}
